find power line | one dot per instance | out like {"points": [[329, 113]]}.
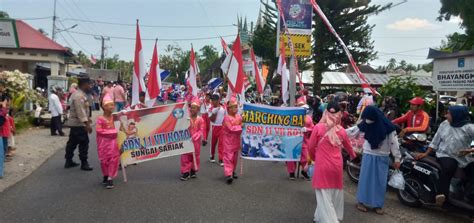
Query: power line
{"points": [[73, 39], [66, 11], [37, 18], [86, 17], [153, 39], [150, 26]]}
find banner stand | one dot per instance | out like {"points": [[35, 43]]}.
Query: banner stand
{"points": [[298, 169], [124, 173]]}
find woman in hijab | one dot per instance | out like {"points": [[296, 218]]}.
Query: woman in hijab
{"points": [[327, 140], [451, 143], [380, 141]]}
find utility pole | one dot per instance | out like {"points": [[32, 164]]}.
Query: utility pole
{"points": [[102, 51], [293, 73], [53, 35]]}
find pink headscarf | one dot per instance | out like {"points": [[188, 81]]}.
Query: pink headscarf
{"points": [[333, 125]]}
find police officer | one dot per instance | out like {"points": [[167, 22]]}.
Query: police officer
{"points": [[80, 124]]}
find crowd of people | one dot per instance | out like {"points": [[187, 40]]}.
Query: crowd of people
{"points": [[7, 129]]}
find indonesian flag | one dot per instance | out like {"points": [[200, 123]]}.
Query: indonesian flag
{"points": [[259, 81], [193, 71], [284, 72], [225, 46], [93, 60], [154, 77], [139, 70], [232, 66]]}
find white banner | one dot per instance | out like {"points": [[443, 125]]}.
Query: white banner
{"points": [[453, 74], [8, 35]]}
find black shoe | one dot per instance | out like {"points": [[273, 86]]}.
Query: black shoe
{"points": [[234, 175], [193, 174], [204, 143], [305, 175], [70, 164], [230, 179], [62, 134], [184, 177], [85, 166], [110, 184], [292, 176], [54, 134], [104, 181]]}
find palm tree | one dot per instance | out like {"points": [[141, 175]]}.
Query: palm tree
{"points": [[392, 64]]}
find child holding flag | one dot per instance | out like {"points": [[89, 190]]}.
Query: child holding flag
{"points": [[231, 131], [189, 166], [107, 148], [291, 166]]}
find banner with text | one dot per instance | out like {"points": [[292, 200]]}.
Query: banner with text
{"points": [[453, 74], [153, 133], [272, 133]]}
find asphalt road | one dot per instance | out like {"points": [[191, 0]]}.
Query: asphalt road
{"points": [[154, 193]]}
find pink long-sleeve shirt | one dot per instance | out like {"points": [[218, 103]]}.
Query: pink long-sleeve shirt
{"points": [[107, 146], [231, 131]]}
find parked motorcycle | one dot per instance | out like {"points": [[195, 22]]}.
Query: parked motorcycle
{"points": [[421, 180]]}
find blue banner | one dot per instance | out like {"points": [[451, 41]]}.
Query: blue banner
{"points": [[272, 133], [298, 16]]}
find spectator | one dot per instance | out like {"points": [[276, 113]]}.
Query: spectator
{"points": [[108, 90], [56, 110]]}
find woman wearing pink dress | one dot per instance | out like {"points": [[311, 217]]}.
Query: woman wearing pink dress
{"points": [[231, 131], [326, 142]]}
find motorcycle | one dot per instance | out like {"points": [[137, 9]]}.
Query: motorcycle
{"points": [[416, 142], [421, 180]]}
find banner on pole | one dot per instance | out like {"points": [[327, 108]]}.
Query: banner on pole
{"points": [[272, 133], [298, 15], [301, 45], [153, 133]]}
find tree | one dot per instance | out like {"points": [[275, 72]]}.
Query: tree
{"points": [[465, 10], [208, 56], [392, 64], [349, 19], [402, 65], [4, 15], [176, 61], [457, 42], [403, 89]]}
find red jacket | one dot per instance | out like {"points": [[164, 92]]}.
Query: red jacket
{"points": [[418, 122]]}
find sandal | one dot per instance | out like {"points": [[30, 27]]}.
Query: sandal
{"points": [[379, 211], [361, 207]]}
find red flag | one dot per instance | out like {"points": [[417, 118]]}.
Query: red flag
{"points": [[93, 60], [259, 81], [154, 79], [233, 67], [138, 82], [225, 46]]}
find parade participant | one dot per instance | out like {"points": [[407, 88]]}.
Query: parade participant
{"points": [[327, 139], [415, 120], [454, 135], [197, 128], [119, 96], [216, 115], [231, 131], [80, 126], [366, 100], [380, 141], [205, 116], [3, 114], [107, 147], [56, 110], [291, 166], [141, 101]]}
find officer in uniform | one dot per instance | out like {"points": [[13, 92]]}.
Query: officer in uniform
{"points": [[80, 124]]}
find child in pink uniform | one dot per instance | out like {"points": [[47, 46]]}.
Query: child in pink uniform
{"points": [[107, 147], [231, 131], [291, 166], [197, 128]]}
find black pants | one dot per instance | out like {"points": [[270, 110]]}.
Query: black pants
{"points": [[77, 136], [56, 125], [448, 169]]}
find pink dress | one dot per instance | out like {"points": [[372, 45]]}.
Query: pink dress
{"points": [[196, 129], [231, 131], [107, 147], [327, 158], [291, 166]]}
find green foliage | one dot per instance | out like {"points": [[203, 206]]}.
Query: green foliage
{"points": [[208, 56], [403, 89], [175, 60], [23, 121], [16, 84], [457, 42], [465, 10], [4, 15]]}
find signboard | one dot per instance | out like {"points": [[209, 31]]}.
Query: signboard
{"points": [[153, 133], [453, 74], [301, 45], [272, 133], [8, 35], [298, 15]]}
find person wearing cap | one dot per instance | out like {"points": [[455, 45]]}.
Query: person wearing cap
{"points": [[56, 109], [231, 132], [216, 115], [291, 166], [80, 124], [107, 147], [189, 166], [415, 120]]}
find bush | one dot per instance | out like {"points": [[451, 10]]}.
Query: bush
{"points": [[403, 89]]}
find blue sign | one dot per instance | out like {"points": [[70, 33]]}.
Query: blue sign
{"points": [[461, 62]]}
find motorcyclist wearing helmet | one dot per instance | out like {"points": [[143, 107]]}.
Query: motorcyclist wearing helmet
{"points": [[415, 120]]}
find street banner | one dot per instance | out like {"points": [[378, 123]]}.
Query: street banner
{"points": [[298, 15], [301, 45], [453, 74], [8, 34], [153, 133], [272, 133]]}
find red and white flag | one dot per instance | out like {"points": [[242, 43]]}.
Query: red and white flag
{"points": [[284, 72], [259, 81], [193, 72], [233, 67], [139, 70], [93, 60], [225, 46], [154, 79]]}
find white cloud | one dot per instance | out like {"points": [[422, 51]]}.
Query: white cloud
{"points": [[409, 24]]}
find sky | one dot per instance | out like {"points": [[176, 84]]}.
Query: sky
{"points": [[404, 32]]}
